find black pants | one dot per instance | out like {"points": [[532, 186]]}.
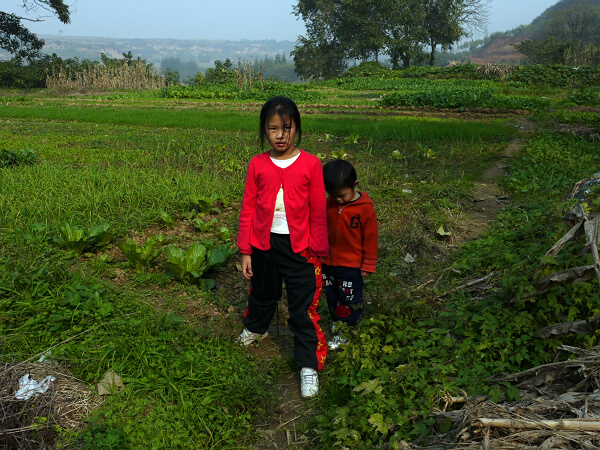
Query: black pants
{"points": [[344, 292], [303, 280]]}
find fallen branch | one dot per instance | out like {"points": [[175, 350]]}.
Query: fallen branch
{"points": [[545, 373], [579, 274], [424, 285], [588, 326], [594, 247], [289, 421], [571, 235], [468, 285], [562, 424]]}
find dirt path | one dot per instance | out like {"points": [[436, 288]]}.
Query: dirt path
{"points": [[283, 431], [488, 198]]}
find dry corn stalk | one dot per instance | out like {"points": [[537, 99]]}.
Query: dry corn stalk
{"points": [[132, 75]]}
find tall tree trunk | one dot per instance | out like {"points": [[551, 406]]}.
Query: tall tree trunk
{"points": [[405, 61], [432, 54], [394, 57]]}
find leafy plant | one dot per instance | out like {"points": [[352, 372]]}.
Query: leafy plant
{"points": [[224, 234], [203, 226], [190, 265], [204, 205], [339, 154], [16, 157], [79, 239], [142, 256], [589, 96], [167, 219], [352, 139]]}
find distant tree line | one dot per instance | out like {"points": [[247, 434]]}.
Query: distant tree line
{"points": [[339, 31], [186, 70], [188, 73], [569, 34]]}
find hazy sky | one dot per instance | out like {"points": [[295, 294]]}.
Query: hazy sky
{"points": [[218, 19]]}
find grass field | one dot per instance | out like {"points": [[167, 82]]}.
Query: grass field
{"points": [[142, 166]]}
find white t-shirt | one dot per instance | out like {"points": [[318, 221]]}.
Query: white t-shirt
{"points": [[279, 225]]}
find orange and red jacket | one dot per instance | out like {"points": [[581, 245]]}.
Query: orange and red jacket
{"points": [[352, 233]]}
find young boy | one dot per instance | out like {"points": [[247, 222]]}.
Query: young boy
{"points": [[352, 233]]}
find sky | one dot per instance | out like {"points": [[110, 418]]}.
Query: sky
{"points": [[216, 20]]}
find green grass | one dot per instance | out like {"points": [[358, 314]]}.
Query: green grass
{"points": [[153, 117], [371, 126], [187, 384]]}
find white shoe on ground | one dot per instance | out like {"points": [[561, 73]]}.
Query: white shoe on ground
{"points": [[247, 337], [309, 382]]}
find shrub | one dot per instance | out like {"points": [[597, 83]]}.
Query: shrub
{"points": [[366, 69], [16, 157]]}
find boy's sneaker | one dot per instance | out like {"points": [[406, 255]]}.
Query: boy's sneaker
{"points": [[247, 337], [309, 382], [336, 341]]}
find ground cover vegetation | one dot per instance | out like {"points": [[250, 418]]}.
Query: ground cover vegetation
{"points": [[120, 209]]}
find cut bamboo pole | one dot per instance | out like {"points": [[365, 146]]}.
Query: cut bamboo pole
{"points": [[563, 424], [594, 249]]}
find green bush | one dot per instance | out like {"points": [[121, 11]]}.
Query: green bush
{"points": [[556, 75], [366, 69], [16, 157], [586, 96]]}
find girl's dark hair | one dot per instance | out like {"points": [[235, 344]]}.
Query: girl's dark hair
{"points": [[284, 108], [338, 174]]}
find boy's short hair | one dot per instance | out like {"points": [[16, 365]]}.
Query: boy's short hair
{"points": [[283, 107], [338, 174]]}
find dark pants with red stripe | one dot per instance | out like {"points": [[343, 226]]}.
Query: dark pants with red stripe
{"points": [[303, 280]]}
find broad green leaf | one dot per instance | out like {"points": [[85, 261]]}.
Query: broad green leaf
{"points": [[214, 258]]}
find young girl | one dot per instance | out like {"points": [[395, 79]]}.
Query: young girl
{"points": [[282, 234]]}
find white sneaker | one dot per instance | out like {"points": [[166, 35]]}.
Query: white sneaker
{"points": [[309, 382], [336, 341], [247, 337]]}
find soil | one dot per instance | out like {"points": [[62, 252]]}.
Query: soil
{"points": [[290, 410]]}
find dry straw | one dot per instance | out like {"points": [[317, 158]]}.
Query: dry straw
{"points": [[34, 423], [246, 76], [132, 75]]}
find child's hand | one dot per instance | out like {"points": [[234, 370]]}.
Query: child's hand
{"points": [[247, 266], [365, 274]]}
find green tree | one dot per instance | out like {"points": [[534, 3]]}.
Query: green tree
{"points": [[319, 54], [318, 59], [222, 73], [448, 21], [17, 39], [548, 51], [571, 36], [404, 32], [579, 21], [364, 29], [187, 69]]}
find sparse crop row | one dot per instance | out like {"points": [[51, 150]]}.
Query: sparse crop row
{"points": [[99, 77]]}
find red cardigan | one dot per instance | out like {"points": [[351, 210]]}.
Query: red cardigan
{"points": [[304, 199], [352, 234]]}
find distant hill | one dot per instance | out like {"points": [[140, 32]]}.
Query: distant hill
{"points": [[202, 51], [498, 48]]}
